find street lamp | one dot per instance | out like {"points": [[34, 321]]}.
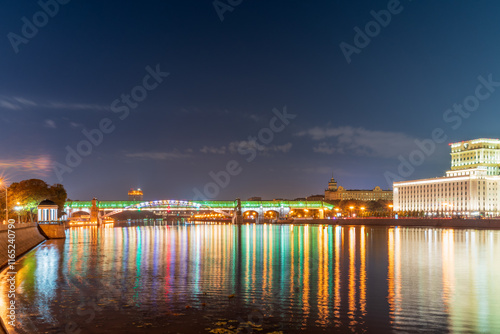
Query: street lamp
{"points": [[18, 207], [447, 207], [351, 207], [392, 209], [2, 182], [362, 211], [444, 209]]}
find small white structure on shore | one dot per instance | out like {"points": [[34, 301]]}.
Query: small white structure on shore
{"points": [[47, 211]]}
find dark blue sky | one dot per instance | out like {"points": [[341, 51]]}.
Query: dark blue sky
{"points": [[355, 119]]}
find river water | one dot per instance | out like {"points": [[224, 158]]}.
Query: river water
{"points": [[259, 279]]}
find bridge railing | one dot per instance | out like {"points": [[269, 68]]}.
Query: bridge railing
{"points": [[116, 205]]}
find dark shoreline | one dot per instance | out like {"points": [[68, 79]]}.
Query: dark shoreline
{"points": [[408, 222]]}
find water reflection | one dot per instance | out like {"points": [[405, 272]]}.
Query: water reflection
{"points": [[444, 280], [284, 277]]}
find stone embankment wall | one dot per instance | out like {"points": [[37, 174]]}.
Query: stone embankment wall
{"points": [[438, 222], [53, 231], [27, 236]]}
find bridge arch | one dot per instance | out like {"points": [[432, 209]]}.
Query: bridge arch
{"points": [[272, 214], [79, 213], [168, 205], [251, 214]]}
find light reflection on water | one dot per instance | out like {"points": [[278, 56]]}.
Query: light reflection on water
{"points": [[186, 278]]}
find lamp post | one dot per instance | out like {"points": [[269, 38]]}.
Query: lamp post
{"points": [[362, 211], [444, 209], [2, 181], [447, 207], [392, 208], [351, 207], [18, 207]]}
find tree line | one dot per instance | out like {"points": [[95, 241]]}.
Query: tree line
{"points": [[23, 198]]}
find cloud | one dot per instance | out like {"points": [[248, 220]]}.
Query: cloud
{"points": [[50, 124], [8, 105], [359, 141], [315, 170], [254, 117], [74, 106], [213, 150], [40, 164], [325, 148], [282, 148], [24, 101], [248, 145], [21, 103], [326, 170], [174, 155]]}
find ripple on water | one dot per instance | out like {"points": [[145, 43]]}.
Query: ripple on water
{"points": [[260, 278]]}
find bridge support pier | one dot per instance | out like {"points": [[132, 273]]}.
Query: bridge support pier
{"points": [[94, 212], [237, 219], [237, 215]]}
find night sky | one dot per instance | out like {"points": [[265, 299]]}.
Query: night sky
{"points": [[212, 86]]}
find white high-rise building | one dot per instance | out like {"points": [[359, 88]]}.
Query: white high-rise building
{"points": [[470, 188]]}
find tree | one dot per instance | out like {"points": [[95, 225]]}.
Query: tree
{"points": [[29, 193], [58, 195]]}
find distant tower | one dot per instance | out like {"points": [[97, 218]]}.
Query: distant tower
{"points": [[135, 195], [332, 185], [94, 210]]}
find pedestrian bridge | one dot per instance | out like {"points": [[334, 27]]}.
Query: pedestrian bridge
{"points": [[109, 208]]}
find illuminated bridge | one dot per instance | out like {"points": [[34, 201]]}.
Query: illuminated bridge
{"points": [[228, 208]]}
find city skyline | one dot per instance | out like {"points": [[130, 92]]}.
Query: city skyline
{"points": [[171, 97]]}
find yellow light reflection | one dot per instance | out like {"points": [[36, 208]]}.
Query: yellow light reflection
{"points": [[448, 267], [337, 298], [362, 274], [352, 278], [307, 289], [394, 295], [323, 276]]}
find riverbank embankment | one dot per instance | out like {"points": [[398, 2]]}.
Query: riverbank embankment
{"points": [[410, 222], [23, 236], [52, 231]]}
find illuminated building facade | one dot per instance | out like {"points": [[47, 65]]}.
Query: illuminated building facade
{"points": [[135, 195], [470, 188], [335, 192], [476, 153]]}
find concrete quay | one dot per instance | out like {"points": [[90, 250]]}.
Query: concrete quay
{"points": [[24, 236], [408, 222]]}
